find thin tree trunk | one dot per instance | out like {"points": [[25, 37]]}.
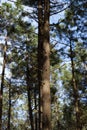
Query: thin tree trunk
{"points": [[29, 99], [35, 99], [9, 110], [2, 84], [75, 90]]}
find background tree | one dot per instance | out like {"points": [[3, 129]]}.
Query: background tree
{"points": [[26, 63]]}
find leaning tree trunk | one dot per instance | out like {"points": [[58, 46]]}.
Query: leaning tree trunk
{"points": [[75, 90], [2, 83]]}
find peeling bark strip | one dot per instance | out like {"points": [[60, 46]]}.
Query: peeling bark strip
{"points": [[2, 83], [44, 65]]}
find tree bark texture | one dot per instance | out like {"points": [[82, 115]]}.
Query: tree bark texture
{"points": [[44, 65], [40, 59]]}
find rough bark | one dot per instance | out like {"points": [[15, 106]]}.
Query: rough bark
{"points": [[46, 71], [2, 83], [40, 49], [46, 120], [44, 65]]}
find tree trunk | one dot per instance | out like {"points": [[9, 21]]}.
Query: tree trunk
{"points": [[40, 49], [29, 99], [35, 102], [75, 90], [44, 66], [9, 110], [2, 84]]}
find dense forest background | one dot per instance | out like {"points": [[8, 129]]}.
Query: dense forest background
{"points": [[43, 65]]}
